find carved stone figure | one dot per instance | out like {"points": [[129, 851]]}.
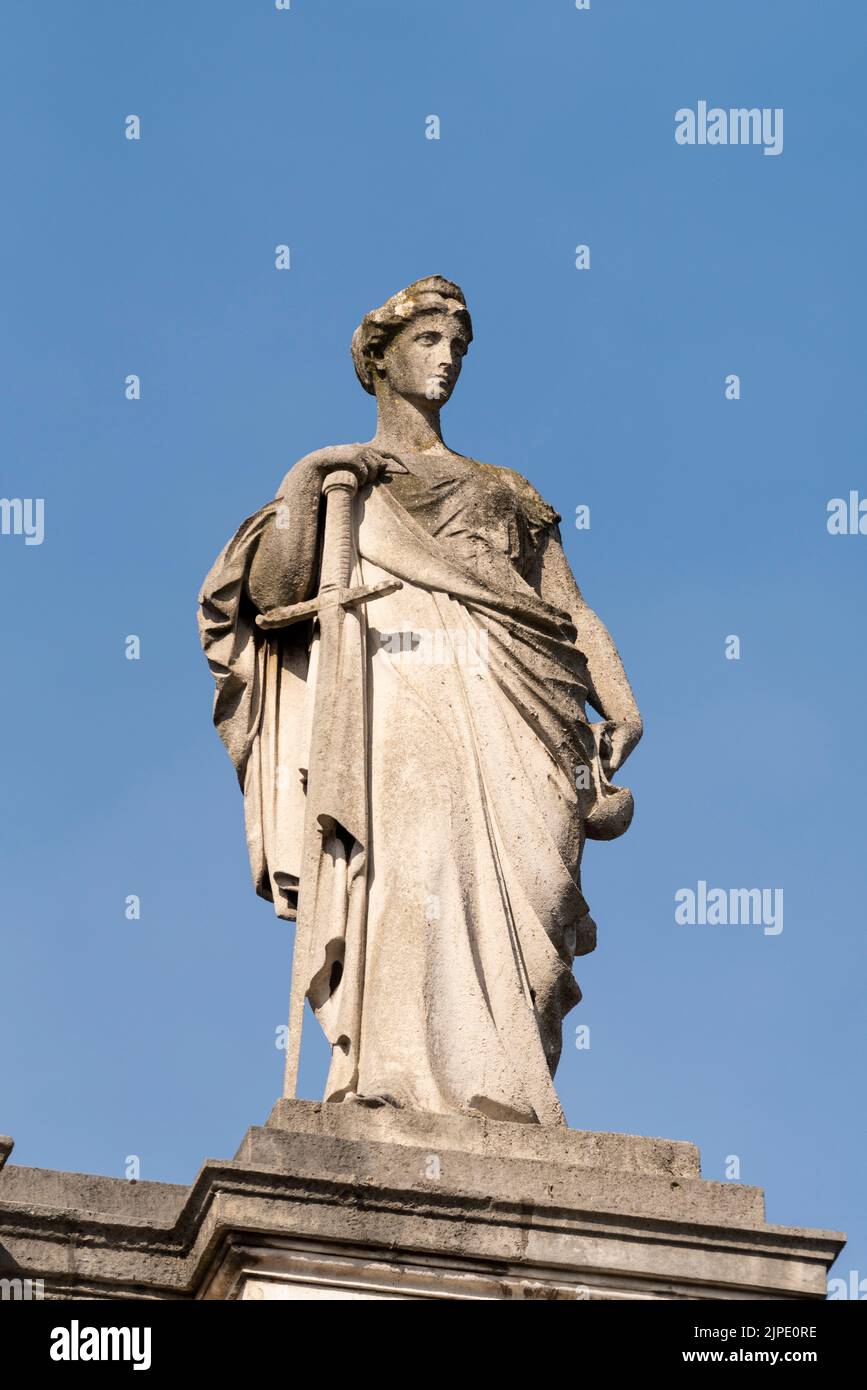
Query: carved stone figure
{"points": [[403, 661]]}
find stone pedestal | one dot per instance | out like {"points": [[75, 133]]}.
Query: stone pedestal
{"points": [[338, 1201]]}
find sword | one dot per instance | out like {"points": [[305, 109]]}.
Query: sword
{"points": [[339, 487]]}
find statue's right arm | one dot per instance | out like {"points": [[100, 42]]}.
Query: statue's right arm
{"points": [[283, 570]]}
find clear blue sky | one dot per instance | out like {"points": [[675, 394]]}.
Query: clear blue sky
{"points": [[708, 518]]}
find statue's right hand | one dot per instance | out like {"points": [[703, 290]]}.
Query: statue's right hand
{"points": [[363, 460]]}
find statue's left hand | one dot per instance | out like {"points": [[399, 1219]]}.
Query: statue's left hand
{"points": [[616, 743]]}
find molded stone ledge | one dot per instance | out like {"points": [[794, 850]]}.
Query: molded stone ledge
{"points": [[86, 1194], [336, 1201]]}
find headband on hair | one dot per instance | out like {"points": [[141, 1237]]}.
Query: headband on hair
{"points": [[376, 330]]}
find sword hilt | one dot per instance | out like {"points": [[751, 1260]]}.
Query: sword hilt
{"points": [[339, 488]]}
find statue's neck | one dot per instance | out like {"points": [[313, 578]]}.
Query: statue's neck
{"points": [[405, 424]]}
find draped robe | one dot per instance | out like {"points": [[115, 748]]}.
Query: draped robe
{"points": [[447, 906]]}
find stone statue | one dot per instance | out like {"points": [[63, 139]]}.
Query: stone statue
{"points": [[402, 660]]}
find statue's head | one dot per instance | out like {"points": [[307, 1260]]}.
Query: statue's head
{"points": [[415, 342]]}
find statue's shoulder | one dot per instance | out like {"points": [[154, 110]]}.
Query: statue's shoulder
{"points": [[540, 513]]}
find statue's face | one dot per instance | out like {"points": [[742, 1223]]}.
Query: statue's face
{"points": [[423, 361]]}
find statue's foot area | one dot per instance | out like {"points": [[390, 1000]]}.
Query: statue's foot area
{"points": [[372, 1101]]}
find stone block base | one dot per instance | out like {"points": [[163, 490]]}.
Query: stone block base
{"points": [[340, 1201]]}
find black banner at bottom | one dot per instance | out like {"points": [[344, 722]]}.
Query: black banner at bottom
{"points": [[81, 1339]]}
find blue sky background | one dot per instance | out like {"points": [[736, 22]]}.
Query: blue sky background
{"points": [[708, 517]]}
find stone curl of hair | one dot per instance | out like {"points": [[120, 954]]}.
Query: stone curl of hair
{"points": [[376, 330]]}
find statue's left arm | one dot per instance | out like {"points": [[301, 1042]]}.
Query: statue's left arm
{"points": [[609, 690]]}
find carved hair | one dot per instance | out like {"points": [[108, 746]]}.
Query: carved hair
{"points": [[434, 295]]}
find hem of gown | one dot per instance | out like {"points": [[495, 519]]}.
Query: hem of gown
{"points": [[476, 1109]]}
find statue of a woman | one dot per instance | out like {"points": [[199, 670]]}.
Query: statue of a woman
{"points": [[418, 770]]}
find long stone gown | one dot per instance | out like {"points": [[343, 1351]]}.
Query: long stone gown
{"points": [[448, 906]]}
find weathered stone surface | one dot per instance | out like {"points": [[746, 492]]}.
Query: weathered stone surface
{"points": [[330, 1201], [647, 1178], [552, 1144], [433, 719]]}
